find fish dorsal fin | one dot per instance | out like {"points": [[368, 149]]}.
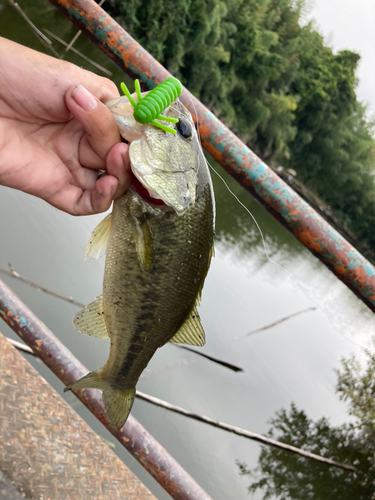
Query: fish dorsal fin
{"points": [[191, 332], [97, 245], [143, 243], [90, 320]]}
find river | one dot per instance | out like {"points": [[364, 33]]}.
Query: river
{"points": [[293, 361]]}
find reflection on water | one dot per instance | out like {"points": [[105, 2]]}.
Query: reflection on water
{"points": [[279, 255], [282, 475], [244, 291], [235, 227]]}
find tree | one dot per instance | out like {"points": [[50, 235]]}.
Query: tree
{"points": [[275, 83], [357, 387], [237, 56]]}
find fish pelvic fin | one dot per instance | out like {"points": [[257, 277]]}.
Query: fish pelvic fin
{"points": [[90, 320], [97, 245], [117, 402], [191, 332]]}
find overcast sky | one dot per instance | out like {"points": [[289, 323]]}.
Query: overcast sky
{"points": [[350, 24]]}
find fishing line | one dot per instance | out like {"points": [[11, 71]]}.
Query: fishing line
{"points": [[236, 197], [253, 218], [294, 280]]}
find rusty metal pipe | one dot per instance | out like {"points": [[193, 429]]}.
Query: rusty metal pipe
{"points": [[149, 453], [233, 155]]}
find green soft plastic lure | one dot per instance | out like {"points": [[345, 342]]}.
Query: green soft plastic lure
{"points": [[148, 109]]}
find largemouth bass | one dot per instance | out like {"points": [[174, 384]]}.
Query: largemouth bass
{"points": [[158, 241]]}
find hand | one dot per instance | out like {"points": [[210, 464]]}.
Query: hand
{"points": [[56, 135]]}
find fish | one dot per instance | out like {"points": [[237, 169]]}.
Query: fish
{"points": [[159, 244]]}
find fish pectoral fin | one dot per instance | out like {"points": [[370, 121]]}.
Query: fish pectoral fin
{"points": [[191, 332], [90, 320], [117, 402], [143, 243], [97, 245]]}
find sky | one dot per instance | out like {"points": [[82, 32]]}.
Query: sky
{"points": [[350, 24]]}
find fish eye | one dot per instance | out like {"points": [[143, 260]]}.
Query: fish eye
{"points": [[184, 128]]}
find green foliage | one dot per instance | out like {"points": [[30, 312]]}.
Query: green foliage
{"points": [[287, 476], [238, 56], [275, 83], [358, 388]]}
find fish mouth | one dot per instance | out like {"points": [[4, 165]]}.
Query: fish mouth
{"points": [[140, 189], [144, 194]]}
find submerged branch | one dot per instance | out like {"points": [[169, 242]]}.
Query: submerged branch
{"points": [[95, 64], [271, 325], [21, 347], [13, 274], [216, 423], [243, 432], [210, 358], [46, 42]]}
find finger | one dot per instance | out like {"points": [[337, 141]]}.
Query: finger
{"points": [[66, 145], [76, 201], [118, 165], [97, 121], [102, 88], [101, 197]]}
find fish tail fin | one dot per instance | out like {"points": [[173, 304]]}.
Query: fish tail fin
{"points": [[117, 402]]}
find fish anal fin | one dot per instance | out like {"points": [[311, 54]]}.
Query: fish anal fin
{"points": [[97, 245], [90, 320], [90, 381], [191, 332]]}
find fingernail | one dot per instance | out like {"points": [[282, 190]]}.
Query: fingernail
{"points": [[114, 189], [84, 99]]}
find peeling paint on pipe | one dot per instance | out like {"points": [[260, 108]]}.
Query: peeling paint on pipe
{"points": [[232, 154]]}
